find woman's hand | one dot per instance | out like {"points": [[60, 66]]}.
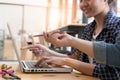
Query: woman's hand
{"points": [[61, 39], [52, 60], [38, 50], [41, 50], [58, 38], [47, 35]]}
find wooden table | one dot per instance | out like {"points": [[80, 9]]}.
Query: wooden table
{"points": [[47, 76]]}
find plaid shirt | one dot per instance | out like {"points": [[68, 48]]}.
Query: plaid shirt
{"points": [[108, 34]]}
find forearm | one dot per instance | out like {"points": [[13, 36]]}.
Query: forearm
{"points": [[80, 66], [54, 53], [83, 45]]}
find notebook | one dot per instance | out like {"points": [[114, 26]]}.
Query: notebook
{"points": [[28, 66]]}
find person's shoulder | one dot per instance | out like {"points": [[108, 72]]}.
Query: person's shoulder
{"points": [[113, 20], [114, 24]]}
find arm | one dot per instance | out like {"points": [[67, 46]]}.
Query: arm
{"points": [[85, 68], [83, 45], [41, 50], [64, 39], [107, 53], [57, 54], [103, 52]]}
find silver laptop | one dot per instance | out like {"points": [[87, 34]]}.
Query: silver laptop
{"points": [[28, 66]]}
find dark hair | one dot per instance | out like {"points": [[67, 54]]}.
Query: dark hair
{"points": [[109, 1]]}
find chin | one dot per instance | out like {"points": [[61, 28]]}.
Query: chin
{"points": [[88, 16]]}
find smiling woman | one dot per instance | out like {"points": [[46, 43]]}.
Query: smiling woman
{"points": [[105, 27]]}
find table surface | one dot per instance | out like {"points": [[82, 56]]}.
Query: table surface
{"points": [[47, 76]]}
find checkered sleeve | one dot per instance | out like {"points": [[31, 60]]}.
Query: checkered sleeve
{"points": [[105, 72]]}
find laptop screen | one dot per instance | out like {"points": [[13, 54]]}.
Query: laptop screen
{"points": [[14, 44]]}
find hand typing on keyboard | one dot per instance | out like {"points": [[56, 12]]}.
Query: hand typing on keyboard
{"points": [[42, 64]]}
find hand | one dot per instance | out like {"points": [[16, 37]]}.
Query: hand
{"points": [[38, 50], [61, 39], [47, 36], [57, 61]]}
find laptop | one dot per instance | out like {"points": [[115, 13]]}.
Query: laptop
{"points": [[28, 66]]}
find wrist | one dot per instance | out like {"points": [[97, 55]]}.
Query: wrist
{"points": [[65, 61], [72, 41]]}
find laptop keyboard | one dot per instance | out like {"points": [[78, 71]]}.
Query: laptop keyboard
{"points": [[33, 65]]}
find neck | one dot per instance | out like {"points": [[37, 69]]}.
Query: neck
{"points": [[100, 17]]}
